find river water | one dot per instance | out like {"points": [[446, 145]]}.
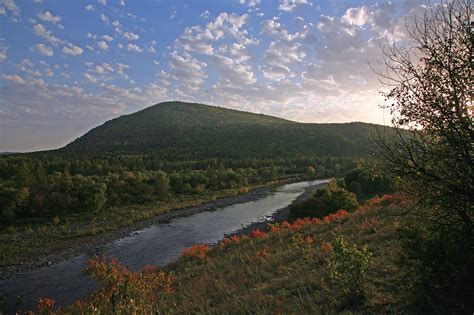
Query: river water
{"points": [[155, 245]]}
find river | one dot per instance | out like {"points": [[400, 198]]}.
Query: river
{"points": [[155, 245]]}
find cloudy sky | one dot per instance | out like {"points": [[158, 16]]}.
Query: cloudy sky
{"points": [[67, 66]]}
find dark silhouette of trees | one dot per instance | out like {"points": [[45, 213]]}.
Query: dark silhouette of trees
{"points": [[429, 79]]}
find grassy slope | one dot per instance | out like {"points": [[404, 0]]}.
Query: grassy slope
{"points": [[284, 271]]}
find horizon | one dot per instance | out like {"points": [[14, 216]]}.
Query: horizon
{"points": [[79, 65]]}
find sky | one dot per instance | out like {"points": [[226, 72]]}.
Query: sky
{"points": [[67, 66]]}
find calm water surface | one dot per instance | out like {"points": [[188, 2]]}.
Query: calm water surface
{"points": [[155, 245]]}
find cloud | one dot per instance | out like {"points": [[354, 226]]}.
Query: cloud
{"points": [[89, 77], [90, 7], [107, 38], [187, 70], [104, 68], [104, 18], [14, 78], [205, 14], [199, 39], [290, 5], [44, 50], [73, 50], [41, 31], [121, 70], [102, 45], [49, 17], [131, 36], [357, 16], [102, 2], [134, 48], [3, 52], [9, 6], [250, 3]]}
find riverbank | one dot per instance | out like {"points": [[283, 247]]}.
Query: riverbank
{"points": [[50, 244], [286, 270], [280, 215]]}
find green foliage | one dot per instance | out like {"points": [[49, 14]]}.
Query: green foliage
{"points": [[325, 201], [186, 131], [349, 264], [441, 279], [369, 180]]}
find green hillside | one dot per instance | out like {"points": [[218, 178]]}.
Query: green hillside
{"points": [[184, 131]]}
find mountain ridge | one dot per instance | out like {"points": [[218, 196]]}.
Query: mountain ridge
{"points": [[180, 130]]}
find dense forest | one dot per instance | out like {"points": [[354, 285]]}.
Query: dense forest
{"points": [[186, 131], [57, 185]]}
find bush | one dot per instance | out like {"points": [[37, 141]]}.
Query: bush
{"points": [[324, 202], [348, 264]]}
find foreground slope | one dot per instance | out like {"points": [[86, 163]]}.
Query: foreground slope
{"points": [[184, 131], [284, 271]]}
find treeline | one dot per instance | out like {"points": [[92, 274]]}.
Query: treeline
{"points": [[32, 187], [361, 183]]}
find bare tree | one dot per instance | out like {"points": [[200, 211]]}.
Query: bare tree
{"points": [[430, 88]]}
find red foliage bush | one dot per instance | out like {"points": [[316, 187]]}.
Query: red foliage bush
{"points": [[197, 251]]}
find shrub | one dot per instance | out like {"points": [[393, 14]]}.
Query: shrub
{"points": [[325, 201], [348, 264]]}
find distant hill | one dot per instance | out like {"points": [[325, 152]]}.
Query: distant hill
{"points": [[184, 131]]}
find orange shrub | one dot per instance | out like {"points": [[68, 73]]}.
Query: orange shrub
{"points": [[45, 305], [257, 234], [197, 251]]}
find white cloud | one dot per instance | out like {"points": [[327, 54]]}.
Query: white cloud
{"points": [[104, 18], [41, 31], [44, 50], [134, 48], [152, 48], [104, 68], [107, 38], [187, 70], [13, 77], [250, 3], [89, 77], [131, 36], [102, 45], [357, 16], [90, 7], [49, 17], [73, 50], [290, 5], [199, 39], [122, 3], [102, 2], [205, 14], [10, 6], [3, 52], [299, 20], [121, 70]]}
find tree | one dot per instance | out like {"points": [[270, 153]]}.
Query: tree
{"points": [[430, 84]]}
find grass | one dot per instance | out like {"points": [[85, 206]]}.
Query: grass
{"points": [[284, 271], [28, 242]]}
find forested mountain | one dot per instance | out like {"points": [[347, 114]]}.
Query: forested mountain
{"points": [[186, 131]]}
